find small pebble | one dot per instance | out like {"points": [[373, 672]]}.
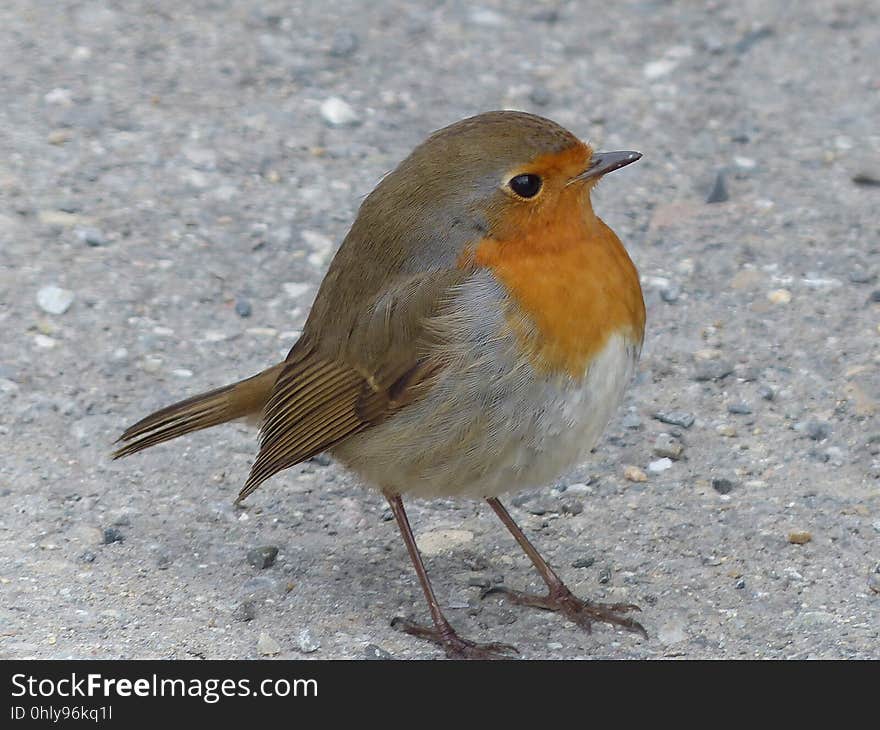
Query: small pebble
{"points": [[740, 584], [670, 294], [54, 300], [604, 576], [675, 418], [818, 430], [243, 308], [634, 474], [799, 537], [263, 557], [339, 113], [540, 96], [151, 364], [583, 562], [631, 421], [779, 296], [344, 43], [572, 507], [305, 643], [92, 237], [668, 446], [88, 557], [321, 460], [660, 465], [869, 178], [373, 652], [111, 535], [766, 392], [718, 193], [267, 646], [713, 370], [874, 579], [739, 409], [722, 485], [862, 276], [244, 612], [725, 429]]}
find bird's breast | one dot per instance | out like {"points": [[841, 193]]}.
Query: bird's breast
{"points": [[570, 290]]}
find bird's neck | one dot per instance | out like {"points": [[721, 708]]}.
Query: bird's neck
{"points": [[572, 286]]}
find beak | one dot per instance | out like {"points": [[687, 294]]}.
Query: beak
{"points": [[601, 163]]}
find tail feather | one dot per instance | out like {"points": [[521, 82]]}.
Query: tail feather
{"points": [[245, 398]]}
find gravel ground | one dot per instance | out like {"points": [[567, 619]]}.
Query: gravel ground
{"points": [[173, 180]]}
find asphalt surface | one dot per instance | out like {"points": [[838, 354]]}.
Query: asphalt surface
{"points": [[181, 173]]}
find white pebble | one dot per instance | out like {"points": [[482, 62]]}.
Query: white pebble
{"points": [[338, 112], [54, 300], [151, 364], [295, 289], [656, 69], [64, 97], [659, 466], [44, 342], [267, 646]]}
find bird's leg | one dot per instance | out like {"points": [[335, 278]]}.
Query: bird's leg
{"points": [[442, 634], [559, 597]]}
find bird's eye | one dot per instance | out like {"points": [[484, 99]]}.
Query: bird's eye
{"points": [[526, 186]]}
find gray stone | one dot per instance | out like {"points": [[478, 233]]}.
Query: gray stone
{"points": [[666, 445], [306, 643], [862, 275], [374, 652], [243, 307], [244, 612], [739, 409], [345, 43], [112, 534], [540, 96], [722, 485], [817, 430], [631, 421], [584, 562], [675, 418], [713, 370], [670, 294], [262, 557], [92, 236], [718, 193]]}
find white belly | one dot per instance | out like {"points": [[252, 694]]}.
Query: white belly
{"points": [[492, 424]]}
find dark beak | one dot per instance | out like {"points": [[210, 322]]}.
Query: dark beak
{"points": [[602, 163]]}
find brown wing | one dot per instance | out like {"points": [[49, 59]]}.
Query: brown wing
{"points": [[324, 395]]}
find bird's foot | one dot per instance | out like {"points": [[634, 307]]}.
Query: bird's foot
{"points": [[454, 646], [583, 613]]}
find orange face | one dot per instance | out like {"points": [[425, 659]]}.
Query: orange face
{"points": [[571, 282]]}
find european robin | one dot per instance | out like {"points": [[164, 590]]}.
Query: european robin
{"points": [[472, 336]]}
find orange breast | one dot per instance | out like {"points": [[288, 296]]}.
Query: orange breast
{"points": [[572, 286]]}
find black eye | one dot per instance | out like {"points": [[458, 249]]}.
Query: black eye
{"points": [[526, 186]]}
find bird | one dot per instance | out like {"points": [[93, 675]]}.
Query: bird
{"points": [[472, 337]]}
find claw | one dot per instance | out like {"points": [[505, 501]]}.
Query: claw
{"points": [[455, 646], [583, 613]]}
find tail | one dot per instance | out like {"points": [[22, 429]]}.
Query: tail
{"points": [[245, 398]]}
